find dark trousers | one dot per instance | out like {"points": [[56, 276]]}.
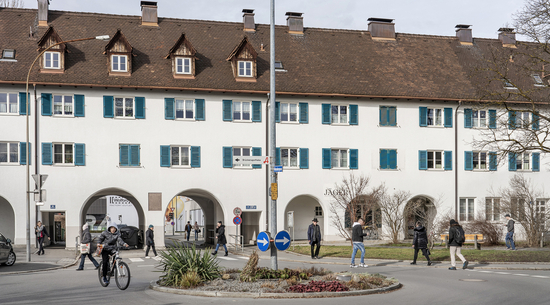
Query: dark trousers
{"points": [[105, 255], [41, 245], [83, 258], [188, 233], [424, 252], [149, 247], [316, 252]]}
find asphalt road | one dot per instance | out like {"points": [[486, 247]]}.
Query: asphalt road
{"points": [[422, 285]]}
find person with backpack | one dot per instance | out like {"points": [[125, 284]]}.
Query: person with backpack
{"points": [[456, 239], [420, 242]]}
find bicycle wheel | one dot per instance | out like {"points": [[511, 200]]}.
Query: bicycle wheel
{"points": [[100, 275], [122, 275]]}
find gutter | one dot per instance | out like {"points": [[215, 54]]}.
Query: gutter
{"points": [[456, 159]]}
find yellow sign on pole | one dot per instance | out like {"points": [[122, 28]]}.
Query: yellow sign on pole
{"points": [[273, 191]]}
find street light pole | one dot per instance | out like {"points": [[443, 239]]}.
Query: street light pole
{"points": [[272, 135], [27, 148]]}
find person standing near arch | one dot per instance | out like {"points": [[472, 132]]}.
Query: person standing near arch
{"points": [[220, 237], [41, 232], [314, 238]]}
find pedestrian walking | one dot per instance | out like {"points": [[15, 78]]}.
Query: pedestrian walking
{"points": [[314, 238], [197, 230], [510, 233], [456, 239], [150, 241], [357, 239], [41, 233], [220, 237], [111, 240], [420, 242], [188, 229], [86, 238]]}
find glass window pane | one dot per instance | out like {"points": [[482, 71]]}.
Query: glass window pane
{"points": [[496, 208], [284, 157], [334, 114], [57, 153], [483, 160], [179, 65], [179, 109], [55, 60], [438, 159], [13, 152], [57, 104], [185, 156], [129, 110], [343, 158], [470, 209], [236, 110], [334, 158], [246, 111], [115, 62], [293, 112], [241, 68], [119, 109], [188, 109], [68, 153], [343, 114], [187, 66], [526, 161], [475, 119], [246, 152], [430, 159], [462, 209], [13, 103], [483, 118], [3, 103], [122, 63], [438, 121], [48, 62], [293, 158], [430, 117], [68, 104], [3, 152], [175, 155], [284, 112]]}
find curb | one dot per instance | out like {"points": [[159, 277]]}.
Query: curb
{"points": [[255, 295], [40, 270]]}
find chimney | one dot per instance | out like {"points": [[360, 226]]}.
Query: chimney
{"points": [[382, 29], [248, 20], [464, 34], [43, 12], [295, 23], [507, 37], [149, 15]]}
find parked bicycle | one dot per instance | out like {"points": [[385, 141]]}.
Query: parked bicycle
{"points": [[119, 270]]}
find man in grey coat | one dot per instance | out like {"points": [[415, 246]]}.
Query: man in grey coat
{"points": [[510, 233], [86, 238]]}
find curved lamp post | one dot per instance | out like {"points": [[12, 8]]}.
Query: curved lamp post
{"points": [[28, 235]]}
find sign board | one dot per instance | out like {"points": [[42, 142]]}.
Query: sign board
{"points": [[263, 241], [52, 206], [250, 160], [40, 196], [39, 180], [237, 211], [250, 207], [282, 240], [172, 223], [290, 219], [278, 169], [237, 220], [274, 191]]}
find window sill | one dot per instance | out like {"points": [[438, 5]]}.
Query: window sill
{"points": [[242, 121], [53, 71], [184, 76], [339, 168], [10, 163], [386, 126], [249, 79], [389, 169], [129, 166], [63, 165], [340, 124], [123, 118], [180, 167], [291, 168], [185, 119], [8, 60], [5, 113], [62, 116], [243, 167], [119, 73], [289, 122]]}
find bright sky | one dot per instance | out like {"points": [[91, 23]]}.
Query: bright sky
{"points": [[432, 17]]}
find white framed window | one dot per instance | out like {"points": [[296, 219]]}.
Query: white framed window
{"points": [[124, 107], [492, 209], [245, 68], [318, 211], [479, 159], [63, 153], [538, 80], [289, 157], [183, 65], [289, 112], [119, 63], [185, 109], [180, 156], [523, 161], [435, 117], [242, 152], [63, 105], [9, 153], [339, 158], [51, 60], [466, 209], [9, 103], [241, 111], [524, 116], [540, 211], [339, 114], [517, 205], [435, 159], [479, 118]]}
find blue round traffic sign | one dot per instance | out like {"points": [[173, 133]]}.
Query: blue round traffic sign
{"points": [[282, 240], [263, 241], [237, 220]]}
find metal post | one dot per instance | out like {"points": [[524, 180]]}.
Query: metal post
{"points": [[272, 134]]}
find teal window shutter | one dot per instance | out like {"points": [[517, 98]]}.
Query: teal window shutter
{"points": [[422, 159], [536, 162], [278, 156], [304, 113], [124, 158], [326, 114], [448, 160], [512, 166], [511, 119], [134, 155], [353, 114], [467, 118], [24, 153], [383, 116], [423, 116], [23, 104], [304, 158], [383, 159], [227, 157], [392, 116], [256, 151], [195, 156], [492, 161], [492, 118], [79, 105], [140, 107], [448, 121], [392, 159], [108, 106], [47, 104], [199, 110], [468, 160], [257, 112], [327, 158], [79, 154], [277, 112], [169, 105], [165, 156], [228, 113], [536, 121], [47, 157], [353, 158]]}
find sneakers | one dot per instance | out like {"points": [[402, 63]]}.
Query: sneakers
{"points": [[452, 268], [363, 265], [105, 280], [413, 263], [313, 257], [78, 269], [147, 257], [465, 265], [353, 266], [429, 263], [97, 267], [225, 254]]}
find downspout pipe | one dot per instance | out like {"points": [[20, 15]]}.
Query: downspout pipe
{"points": [[456, 159]]}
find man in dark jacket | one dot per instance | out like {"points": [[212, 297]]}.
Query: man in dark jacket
{"points": [[357, 239], [111, 241], [420, 242], [510, 233], [188, 228], [220, 237], [86, 238], [41, 233], [314, 238], [150, 241], [456, 235]]}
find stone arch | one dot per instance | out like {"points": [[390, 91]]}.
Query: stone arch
{"points": [[7, 219], [305, 208], [419, 208]]}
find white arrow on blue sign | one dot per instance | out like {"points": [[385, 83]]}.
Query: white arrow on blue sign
{"points": [[282, 240], [263, 241]]}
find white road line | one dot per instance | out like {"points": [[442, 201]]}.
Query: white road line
{"points": [[242, 257], [135, 259], [502, 273], [485, 271], [228, 258], [541, 276], [519, 274]]}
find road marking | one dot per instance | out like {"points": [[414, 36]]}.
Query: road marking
{"points": [[485, 271], [135, 260], [242, 257], [502, 273], [157, 258], [541, 276], [228, 258], [519, 274]]}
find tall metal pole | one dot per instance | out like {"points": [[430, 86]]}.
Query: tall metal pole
{"points": [[272, 133]]}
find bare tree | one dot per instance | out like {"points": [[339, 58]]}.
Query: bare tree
{"points": [[492, 231], [425, 210], [392, 206], [12, 3]]}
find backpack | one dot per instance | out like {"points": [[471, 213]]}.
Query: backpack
{"points": [[459, 235]]}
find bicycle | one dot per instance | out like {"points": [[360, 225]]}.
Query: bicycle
{"points": [[119, 270]]}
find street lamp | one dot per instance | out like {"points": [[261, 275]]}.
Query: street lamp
{"points": [[28, 237]]}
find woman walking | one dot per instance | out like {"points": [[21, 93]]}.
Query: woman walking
{"points": [[456, 238], [197, 230], [86, 238], [150, 241], [41, 232], [420, 242], [220, 236]]}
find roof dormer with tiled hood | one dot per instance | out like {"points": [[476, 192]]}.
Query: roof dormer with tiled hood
{"points": [[119, 55], [53, 60], [243, 61], [183, 58]]}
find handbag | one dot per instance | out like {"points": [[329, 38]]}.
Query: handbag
{"points": [[85, 248]]}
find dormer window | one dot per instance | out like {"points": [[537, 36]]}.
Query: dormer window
{"points": [[119, 54], [182, 55], [538, 80], [245, 68], [8, 54], [243, 61], [508, 84], [183, 65], [51, 60], [119, 63]]}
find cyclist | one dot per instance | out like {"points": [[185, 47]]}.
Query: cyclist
{"points": [[111, 240]]}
